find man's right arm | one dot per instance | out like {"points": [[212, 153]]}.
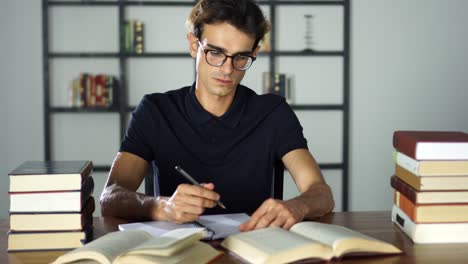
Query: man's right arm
{"points": [[120, 199]]}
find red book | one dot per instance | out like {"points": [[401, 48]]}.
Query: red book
{"points": [[432, 213], [428, 197], [432, 145]]}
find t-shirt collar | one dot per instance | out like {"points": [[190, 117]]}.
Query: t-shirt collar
{"points": [[200, 116]]}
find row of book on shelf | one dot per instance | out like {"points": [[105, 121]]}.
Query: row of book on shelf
{"points": [[51, 205], [94, 91], [134, 36], [430, 185]]}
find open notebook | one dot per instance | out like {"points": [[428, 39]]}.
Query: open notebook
{"points": [[217, 226]]}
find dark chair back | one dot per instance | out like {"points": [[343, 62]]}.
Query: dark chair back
{"points": [[152, 186]]}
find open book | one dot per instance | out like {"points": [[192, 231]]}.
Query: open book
{"points": [[305, 240], [216, 226], [137, 246]]}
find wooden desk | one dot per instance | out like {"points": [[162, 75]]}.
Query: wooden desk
{"points": [[375, 224]]}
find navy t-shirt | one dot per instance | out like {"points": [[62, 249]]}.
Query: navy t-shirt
{"points": [[236, 151]]}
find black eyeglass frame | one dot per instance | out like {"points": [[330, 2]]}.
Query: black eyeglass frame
{"points": [[252, 58]]}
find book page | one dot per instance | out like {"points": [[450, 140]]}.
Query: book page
{"points": [[106, 248], [326, 233], [275, 245], [198, 252], [169, 243], [155, 228], [343, 240]]}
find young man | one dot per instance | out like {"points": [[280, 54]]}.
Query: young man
{"points": [[220, 132]]}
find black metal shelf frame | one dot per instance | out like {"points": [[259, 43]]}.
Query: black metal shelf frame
{"points": [[123, 108]]}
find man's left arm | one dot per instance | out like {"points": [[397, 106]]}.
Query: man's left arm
{"points": [[315, 200]]}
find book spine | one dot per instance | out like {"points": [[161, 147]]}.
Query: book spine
{"points": [[404, 188], [87, 212], [404, 222], [87, 190], [266, 80], [407, 163], [138, 40], [406, 206], [405, 143], [430, 233], [408, 177], [87, 171]]}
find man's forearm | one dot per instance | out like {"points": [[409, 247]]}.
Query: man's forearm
{"points": [[123, 203], [316, 201]]}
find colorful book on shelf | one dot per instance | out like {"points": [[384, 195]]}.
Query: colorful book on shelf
{"points": [[177, 246], [430, 233], [431, 167], [305, 240], [426, 183], [48, 240], [138, 37], [134, 36], [432, 213], [428, 197], [51, 201], [432, 145], [280, 84], [98, 90], [36, 176], [37, 221]]}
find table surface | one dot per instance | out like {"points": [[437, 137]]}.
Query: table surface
{"points": [[375, 224]]}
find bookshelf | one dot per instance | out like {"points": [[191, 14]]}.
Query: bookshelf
{"points": [[57, 56]]}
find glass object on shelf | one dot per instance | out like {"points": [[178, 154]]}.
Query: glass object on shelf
{"points": [[308, 37]]}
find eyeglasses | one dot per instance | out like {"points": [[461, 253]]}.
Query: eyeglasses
{"points": [[217, 58]]}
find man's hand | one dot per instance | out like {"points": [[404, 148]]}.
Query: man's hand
{"points": [[276, 213], [187, 203]]}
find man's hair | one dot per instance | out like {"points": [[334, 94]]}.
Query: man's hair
{"points": [[245, 15]]}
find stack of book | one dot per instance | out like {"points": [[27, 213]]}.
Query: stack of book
{"points": [[431, 185], [51, 205]]}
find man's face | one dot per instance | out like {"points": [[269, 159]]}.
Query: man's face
{"points": [[223, 80]]}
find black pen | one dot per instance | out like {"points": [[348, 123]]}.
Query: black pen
{"points": [[192, 180]]}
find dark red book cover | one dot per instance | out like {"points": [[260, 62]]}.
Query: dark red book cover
{"points": [[406, 141], [403, 188]]}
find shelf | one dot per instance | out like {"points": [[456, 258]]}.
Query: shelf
{"points": [[319, 3], [309, 53], [84, 54], [172, 3], [331, 166], [160, 55], [317, 106], [71, 55], [181, 54], [83, 110], [118, 3], [82, 3], [101, 168], [294, 107]]}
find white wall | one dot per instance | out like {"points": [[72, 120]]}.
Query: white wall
{"points": [[408, 72], [20, 89]]}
